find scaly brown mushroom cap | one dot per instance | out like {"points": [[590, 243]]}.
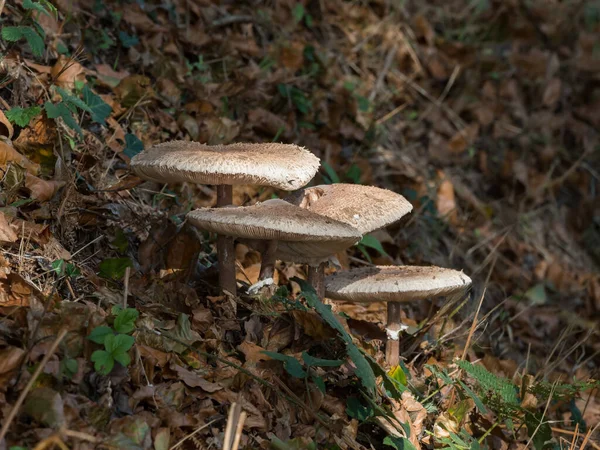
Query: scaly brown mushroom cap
{"points": [[283, 166], [314, 236], [366, 208], [395, 283]]}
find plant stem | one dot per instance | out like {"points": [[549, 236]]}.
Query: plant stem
{"points": [[392, 348], [316, 278], [267, 265], [225, 248]]}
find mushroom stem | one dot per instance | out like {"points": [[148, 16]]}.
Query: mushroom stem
{"points": [[394, 325], [316, 278], [267, 265], [225, 248]]}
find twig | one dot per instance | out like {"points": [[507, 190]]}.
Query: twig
{"points": [[32, 380], [238, 431], [185, 438], [126, 287], [386, 67]]}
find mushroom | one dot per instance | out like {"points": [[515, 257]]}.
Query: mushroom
{"points": [[366, 208], [394, 285], [292, 233], [282, 166]]}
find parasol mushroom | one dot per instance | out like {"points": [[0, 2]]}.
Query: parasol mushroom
{"points": [[282, 166], [394, 285]]}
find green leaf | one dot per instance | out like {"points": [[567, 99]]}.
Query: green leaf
{"points": [[356, 410], [122, 358], [103, 361], [13, 34], [333, 176], [35, 41], [22, 116], [69, 367], [399, 443], [319, 382], [398, 375], [542, 430], [298, 12], [318, 362], [98, 334], [127, 40], [125, 321], [371, 241], [118, 344], [133, 145], [28, 4], [290, 364], [363, 368], [98, 108], [59, 267], [70, 99], [54, 111], [114, 268], [480, 406]]}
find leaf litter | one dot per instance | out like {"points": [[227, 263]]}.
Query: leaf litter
{"points": [[482, 114]]}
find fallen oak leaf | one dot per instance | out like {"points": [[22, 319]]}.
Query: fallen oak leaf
{"points": [[6, 128], [42, 190], [7, 234], [8, 154]]}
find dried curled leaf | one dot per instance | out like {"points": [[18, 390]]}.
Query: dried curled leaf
{"points": [[8, 154], [42, 190], [6, 128]]}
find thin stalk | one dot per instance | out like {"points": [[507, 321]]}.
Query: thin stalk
{"points": [[316, 278], [225, 248], [392, 348], [267, 265]]}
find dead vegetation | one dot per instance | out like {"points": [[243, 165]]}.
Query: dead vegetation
{"points": [[482, 114]]}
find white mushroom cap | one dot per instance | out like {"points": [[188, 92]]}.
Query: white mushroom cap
{"points": [[283, 166], [310, 236], [366, 208], [395, 283]]}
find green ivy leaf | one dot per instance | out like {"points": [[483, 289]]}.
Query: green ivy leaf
{"points": [[128, 40], [371, 241], [318, 362], [56, 110], [22, 116], [98, 334], [70, 99], [98, 108], [114, 268], [290, 364], [125, 320], [103, 361], [133, 145]]}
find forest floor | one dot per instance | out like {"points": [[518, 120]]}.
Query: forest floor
{"points": [[484, 114]]}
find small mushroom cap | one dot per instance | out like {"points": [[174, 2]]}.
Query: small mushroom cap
{"points": [[366, 208], [283, 166], [395, 283], [310, 235]]}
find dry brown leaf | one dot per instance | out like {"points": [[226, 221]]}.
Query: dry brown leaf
{"points": [[463, 139], [424, 30], [7, 234], [252, 352], [446, 201], [42, 190], [6, 128], [8, 154], [66, 71], [552, 92], [291, 55]]}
